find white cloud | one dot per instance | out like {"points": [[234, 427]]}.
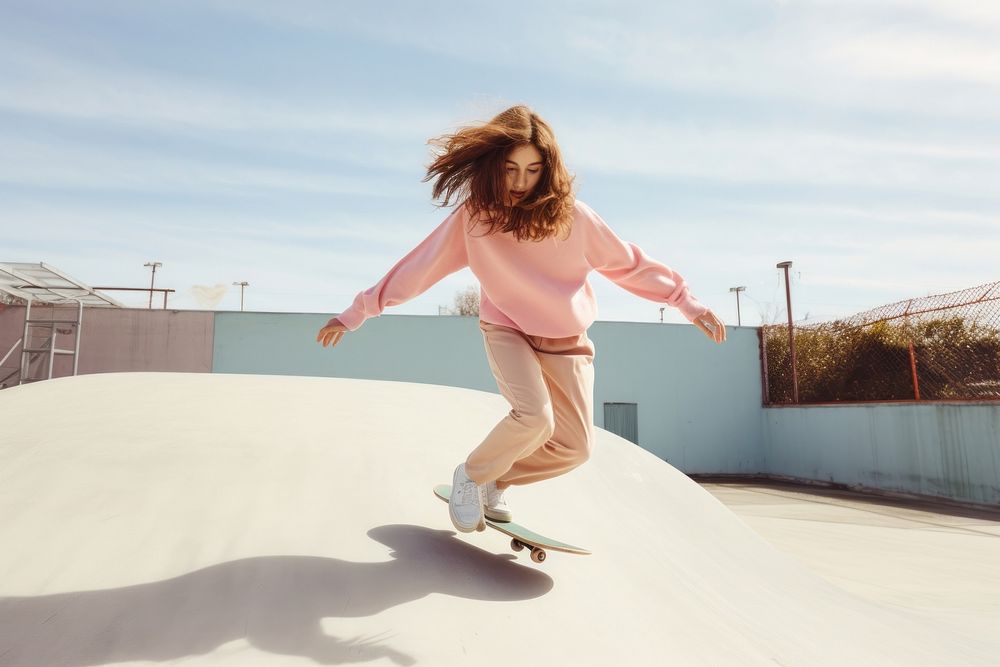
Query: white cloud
{"points": [[881, 217], [291, 267], [727, 151], [971, 13], [63, 164], [40, 82], [40, 221], [914, 56]]}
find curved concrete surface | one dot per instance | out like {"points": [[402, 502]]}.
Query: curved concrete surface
{"points": [[261, 520]]}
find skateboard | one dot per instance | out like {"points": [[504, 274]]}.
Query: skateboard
{"points": [[521, 537]]}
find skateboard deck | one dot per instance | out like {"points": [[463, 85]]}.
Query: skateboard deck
{"points": [[521, 537]]}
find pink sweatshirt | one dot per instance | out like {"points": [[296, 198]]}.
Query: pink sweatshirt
{"points": [[540, 288]]}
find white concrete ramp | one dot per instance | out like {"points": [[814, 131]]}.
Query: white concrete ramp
{"points": [[256, 520]]}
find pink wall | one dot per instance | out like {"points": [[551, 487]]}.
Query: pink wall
{"points": [[121, 339]]}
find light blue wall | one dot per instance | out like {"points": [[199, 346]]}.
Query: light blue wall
{"points": [[698, 402], [407, 348], [949, 450]]}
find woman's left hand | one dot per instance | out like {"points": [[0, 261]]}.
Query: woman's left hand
{"points": [[711, 326]]}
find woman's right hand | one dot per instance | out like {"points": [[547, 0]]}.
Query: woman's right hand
{"points": [[331, 333]]}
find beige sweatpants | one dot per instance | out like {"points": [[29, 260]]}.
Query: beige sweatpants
{"points": [[549, 383]]}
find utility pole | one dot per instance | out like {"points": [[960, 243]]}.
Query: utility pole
{"points": [[738, 290], [791, 334], [152, 280], [243, 286]]}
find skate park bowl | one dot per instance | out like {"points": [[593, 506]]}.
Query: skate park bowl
{"points": [[217, 519]]}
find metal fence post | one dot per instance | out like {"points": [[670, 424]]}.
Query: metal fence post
{"points": [[791, 332]]}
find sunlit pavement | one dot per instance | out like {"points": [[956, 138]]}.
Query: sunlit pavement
{"points": [[914, 553]]}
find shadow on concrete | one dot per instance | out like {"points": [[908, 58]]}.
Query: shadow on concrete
{"points": [[277, 603], [873, 497]]}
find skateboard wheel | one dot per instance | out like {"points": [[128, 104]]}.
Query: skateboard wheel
{"points": [[516, 546], [538, 555]]}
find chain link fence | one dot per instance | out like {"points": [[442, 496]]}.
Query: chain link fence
{"points": [[943, 347]]}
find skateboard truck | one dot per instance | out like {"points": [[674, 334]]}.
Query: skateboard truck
{"points": [[537, 553]]}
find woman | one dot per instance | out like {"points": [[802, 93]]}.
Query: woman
{"points": [[531, 244]]}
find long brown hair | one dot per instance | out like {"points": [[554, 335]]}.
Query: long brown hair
{"points": [[470, 166]]}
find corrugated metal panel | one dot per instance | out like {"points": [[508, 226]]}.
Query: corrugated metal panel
{"points": [[622, 419]]}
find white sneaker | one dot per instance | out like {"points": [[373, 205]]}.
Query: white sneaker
{"points": [[496, 506], [466, 504]]}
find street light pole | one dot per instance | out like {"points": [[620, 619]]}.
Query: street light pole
{"points": [[152, 279], [243, 286], [738, 290], [791, 334]]}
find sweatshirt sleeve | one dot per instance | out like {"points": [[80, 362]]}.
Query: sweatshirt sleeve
{"points": [[442, 253], [629, 267]]}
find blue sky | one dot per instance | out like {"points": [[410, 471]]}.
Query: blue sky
{"points": [[284, 143]]}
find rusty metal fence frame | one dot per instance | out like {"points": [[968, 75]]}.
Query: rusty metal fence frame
{"points": [[948, 339]]}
